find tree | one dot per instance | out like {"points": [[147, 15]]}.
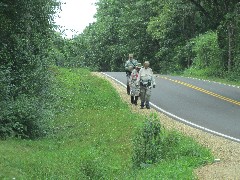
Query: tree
{"points": [[161, 31], [229, 39], [174, 25], [25, 33]]}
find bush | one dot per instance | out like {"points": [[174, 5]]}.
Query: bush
{"points": [[25, 117], [153, 144], [147, 143]]}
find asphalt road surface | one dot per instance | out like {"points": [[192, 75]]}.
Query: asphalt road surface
{"points": [[206, 105]]}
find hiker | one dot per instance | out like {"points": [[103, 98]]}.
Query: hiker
{"points": [[147, 82], [129, 66], [134, 86]]}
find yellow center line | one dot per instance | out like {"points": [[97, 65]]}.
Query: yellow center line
{"points": [[204, 91]]}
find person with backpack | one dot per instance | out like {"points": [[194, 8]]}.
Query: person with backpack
{"points": [[134, 86], [147, 82], [130, 64]]}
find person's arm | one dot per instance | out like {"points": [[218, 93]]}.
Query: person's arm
{"points": [[126, 66], [135, 63]]}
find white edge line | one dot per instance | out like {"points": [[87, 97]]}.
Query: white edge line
{"points": [[178, 118]]}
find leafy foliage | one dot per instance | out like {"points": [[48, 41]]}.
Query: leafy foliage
{"points": [[152, 144], [147, 143], [208, 54], [25, 33], [161, 32]]}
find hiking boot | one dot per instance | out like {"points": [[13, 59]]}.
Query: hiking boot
{"points": [[142, 105], [147, 105], [136, 99]]}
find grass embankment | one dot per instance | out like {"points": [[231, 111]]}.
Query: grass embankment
{"points": [[202, 75], [91, 139]]}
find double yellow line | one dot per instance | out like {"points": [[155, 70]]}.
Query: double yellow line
{"points": [[204, 91]]}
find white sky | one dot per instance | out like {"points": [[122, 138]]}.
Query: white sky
{"points": [[76, 15]]}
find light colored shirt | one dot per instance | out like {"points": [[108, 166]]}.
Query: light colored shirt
{"points": [[146, 75]]}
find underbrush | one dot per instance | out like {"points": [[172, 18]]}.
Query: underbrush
{"points": [[95, 136]]}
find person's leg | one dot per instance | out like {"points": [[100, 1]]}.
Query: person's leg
{"points": [[128, 87], [132, 99], [148, 95], [142, 96], [138, 95], [136, 99], [147, 105]]}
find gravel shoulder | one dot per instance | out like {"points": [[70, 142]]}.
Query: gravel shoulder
{"points": [[228, 152]]}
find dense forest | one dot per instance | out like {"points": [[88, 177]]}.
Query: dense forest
{"points": [[194, 36]]}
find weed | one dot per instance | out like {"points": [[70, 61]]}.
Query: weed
{"points": [[147, 143]]}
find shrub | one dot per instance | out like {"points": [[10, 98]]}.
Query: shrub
{"points": [[153, 144], [146, 144]]}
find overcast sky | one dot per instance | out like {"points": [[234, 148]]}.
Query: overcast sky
{"points": [[76, 15]]}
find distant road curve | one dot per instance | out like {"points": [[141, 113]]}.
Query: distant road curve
{"points": [[206, 105]]}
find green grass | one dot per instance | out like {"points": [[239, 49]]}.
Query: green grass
{"points": [[202, 75], [91, 138]]}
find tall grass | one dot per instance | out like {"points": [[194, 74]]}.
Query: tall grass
{"points": [[91, 138]]}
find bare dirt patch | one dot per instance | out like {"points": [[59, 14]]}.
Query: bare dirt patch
{"points": [[226, 152]]}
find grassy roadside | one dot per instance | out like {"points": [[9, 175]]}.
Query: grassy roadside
{"points": [[200, 75], [92, 139]]}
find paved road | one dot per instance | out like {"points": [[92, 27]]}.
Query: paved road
{"points": [[206, 105]]}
